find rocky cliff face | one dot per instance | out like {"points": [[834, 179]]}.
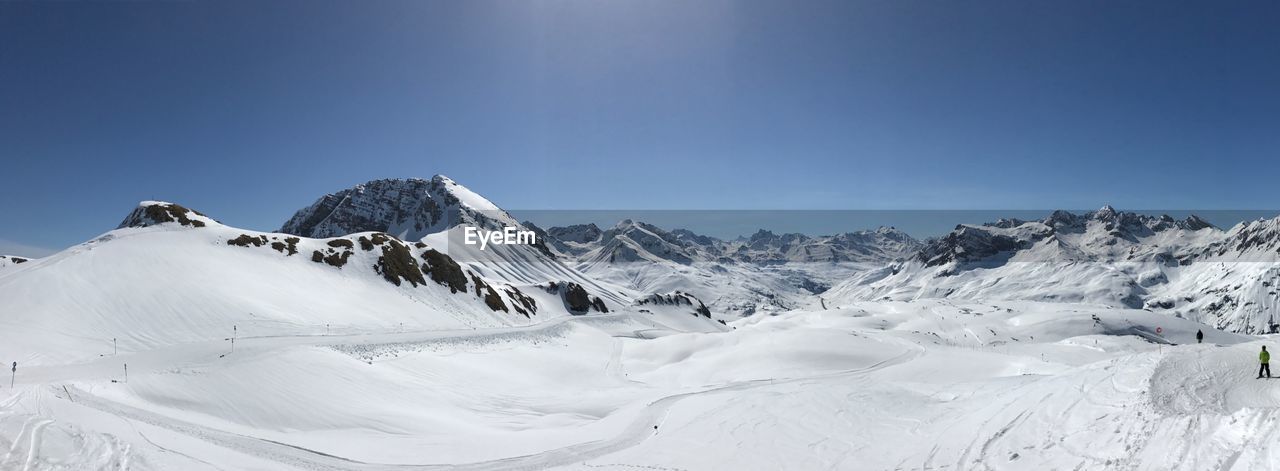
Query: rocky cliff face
{"points": [[407, 208]]}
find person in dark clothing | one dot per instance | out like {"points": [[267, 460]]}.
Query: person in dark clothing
{"points": [[1199, 336], [1265, 358]]}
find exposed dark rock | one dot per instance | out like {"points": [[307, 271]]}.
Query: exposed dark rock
{"points": [[417, 203], [677, 298], [491, 297], [576, 298], [160, 213], [529, 305], [373, 240], [702, 309], [967, 243], [396, 263], [290, 245], [245, 240], [334, 258], [443, 270]]}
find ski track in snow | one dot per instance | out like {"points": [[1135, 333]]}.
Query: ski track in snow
{"points": [[304, 458]]}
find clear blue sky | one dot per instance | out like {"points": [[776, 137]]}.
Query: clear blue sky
{"points": [[250, 110]]}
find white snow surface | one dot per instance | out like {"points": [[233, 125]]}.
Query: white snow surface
{"points": [[165, 284], [927, 384], [1020, 361]]}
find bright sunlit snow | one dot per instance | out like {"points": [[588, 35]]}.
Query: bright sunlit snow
{"points": [[177, 342]]}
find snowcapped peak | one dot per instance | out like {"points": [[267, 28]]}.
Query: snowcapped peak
{"points": [[580, 233], [407, 208], [1196, 223], [1105, 213], [464, 195], [151, 213]]}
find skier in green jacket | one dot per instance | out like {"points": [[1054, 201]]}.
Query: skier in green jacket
{"points": [[1265, 358]]}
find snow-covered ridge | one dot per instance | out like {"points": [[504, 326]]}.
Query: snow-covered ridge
{"points": [[1185, 268], [636, 241], [764, 273], [1103, 234], [171, 274], [380, 352]]}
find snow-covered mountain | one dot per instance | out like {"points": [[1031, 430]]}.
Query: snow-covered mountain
{"points": [[634, 241], [175, 341], [878, 246], [409, 209], [1102, 235], [1186, 268], [169, 274], [763, 273], [434, 211]]}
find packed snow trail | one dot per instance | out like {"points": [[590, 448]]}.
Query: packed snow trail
{"points": [[639, 429], [213, 351]]}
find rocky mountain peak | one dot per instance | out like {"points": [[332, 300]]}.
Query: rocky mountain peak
{"points": [[579, 233], [409, 208], [151, 213], [762, 235], [1106, 213]]}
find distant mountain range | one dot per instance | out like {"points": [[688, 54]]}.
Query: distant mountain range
{"points": [[400, 235], [1186, 268]]}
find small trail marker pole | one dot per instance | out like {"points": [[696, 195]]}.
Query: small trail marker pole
{"points": [[126, 372], [233, 338], [12, 374], [114, 349]]}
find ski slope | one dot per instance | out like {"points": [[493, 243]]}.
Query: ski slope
{"points": [[148, 285], [175, 342], [869, 385]]}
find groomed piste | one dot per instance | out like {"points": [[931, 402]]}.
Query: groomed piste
{"points": [[901, 385]]}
